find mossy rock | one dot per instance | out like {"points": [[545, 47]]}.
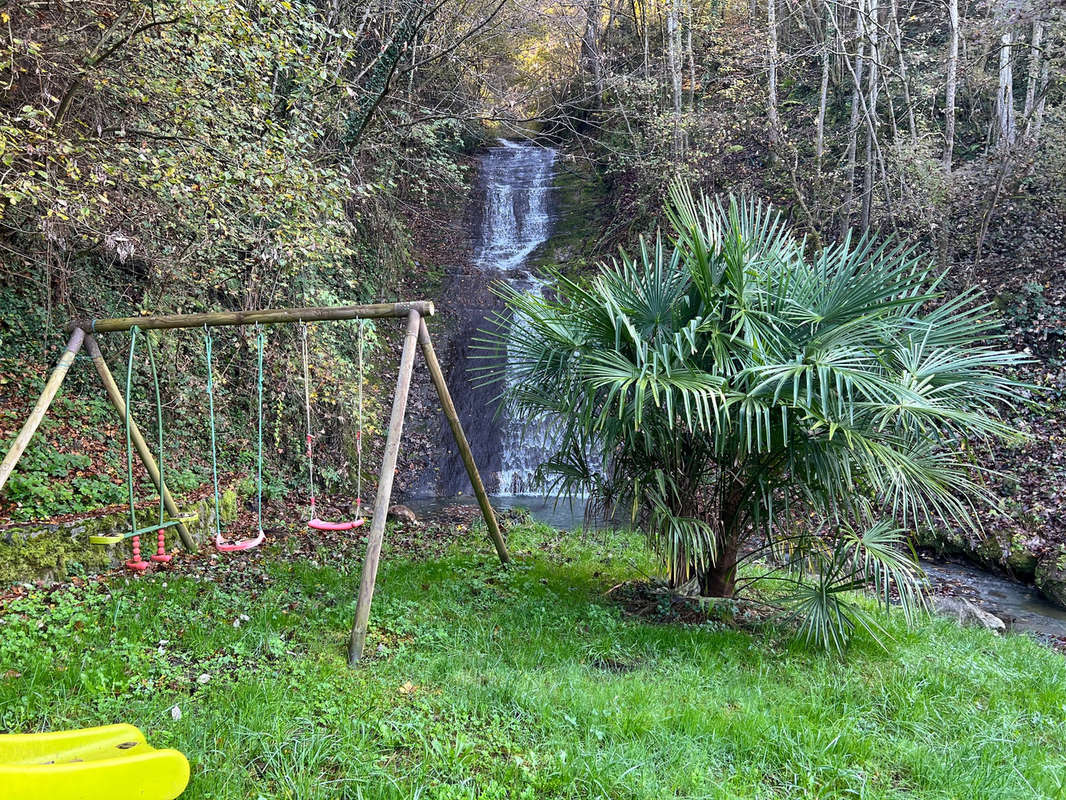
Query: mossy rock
{"points": [[1021, 561], [54, 551], [1050, 576], [1015, 556], [46, 551], [941, 541]]}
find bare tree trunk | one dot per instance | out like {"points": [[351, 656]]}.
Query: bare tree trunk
{"points": [[819, 124], [673, 36], [853, 128], [591, 53], [690, 15], [951, 85], [1038, 112], [1035, 61], [873, 88], [771, 96], [898, 33], [1005, 94]]}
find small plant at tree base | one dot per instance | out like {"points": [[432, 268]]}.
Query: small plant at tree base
{"points": [[727, 388]]}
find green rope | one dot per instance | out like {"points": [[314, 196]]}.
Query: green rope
{"points": [[211, 417], [260, 340], [359, 426], [134, 330], [129, 438], [158, 424]]}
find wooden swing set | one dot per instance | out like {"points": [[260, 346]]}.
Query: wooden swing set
{"points": [[83, 333]]}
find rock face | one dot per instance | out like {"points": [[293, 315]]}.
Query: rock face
{"points": [[1051, 576], [398, 513], [966, 613]]}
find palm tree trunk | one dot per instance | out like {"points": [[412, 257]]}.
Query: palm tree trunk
{"points": [[720, 580]]}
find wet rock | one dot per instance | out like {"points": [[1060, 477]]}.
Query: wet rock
{"points": [[1015, 554], [1050, 576], [1022, 563], [399, 513], [966, 613]]}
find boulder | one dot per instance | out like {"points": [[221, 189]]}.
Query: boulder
{"points": [[966, 613], [399, 513], [1050, 576]]}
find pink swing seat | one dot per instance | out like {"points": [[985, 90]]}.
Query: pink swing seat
{"points": [[322, 525], [244, 544]]}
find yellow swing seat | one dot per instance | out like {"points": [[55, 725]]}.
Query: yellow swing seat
{"points": [[112, 762], [115, 538]]}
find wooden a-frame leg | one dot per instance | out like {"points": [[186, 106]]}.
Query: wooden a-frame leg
{"points": [[384, 492], [51, 388], [119, 402], [465, 453]]}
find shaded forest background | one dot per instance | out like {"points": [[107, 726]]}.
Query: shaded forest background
{"points": [[185, 155]]}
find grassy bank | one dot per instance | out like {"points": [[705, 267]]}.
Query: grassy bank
{"points": [[518, 683]]}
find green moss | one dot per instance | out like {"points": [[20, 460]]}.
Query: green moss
{"points": [[1021, 561], [45, 551], [55, 551], [579, 218], [227, 505]]}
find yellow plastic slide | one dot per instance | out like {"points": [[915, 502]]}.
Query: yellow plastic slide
{"points": [[113, 762]]}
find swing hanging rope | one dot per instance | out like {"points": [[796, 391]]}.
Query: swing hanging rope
{"points": [[315, 522], [160, 556], [220, 543]]}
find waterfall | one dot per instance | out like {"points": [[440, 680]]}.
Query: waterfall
{"points": [[516, 219], [514, 198]]}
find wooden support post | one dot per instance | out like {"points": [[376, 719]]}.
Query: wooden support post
{"points": [[51, 388], [119, 402], [384, 493], [448, 407]]}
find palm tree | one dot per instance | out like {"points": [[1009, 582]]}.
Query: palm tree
{"points": [[729, 389]]}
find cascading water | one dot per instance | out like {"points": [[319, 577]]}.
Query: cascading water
{"points": [[517, 220], [515, 193], [517, 180]]}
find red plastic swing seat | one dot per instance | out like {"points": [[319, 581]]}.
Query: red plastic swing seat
{"points": [[322, 525], [243, 544]]}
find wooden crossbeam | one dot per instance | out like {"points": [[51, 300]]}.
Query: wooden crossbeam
{"points": [[267, 316]]}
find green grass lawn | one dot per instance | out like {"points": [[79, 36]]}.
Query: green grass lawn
{"points": [[524, 682]]}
